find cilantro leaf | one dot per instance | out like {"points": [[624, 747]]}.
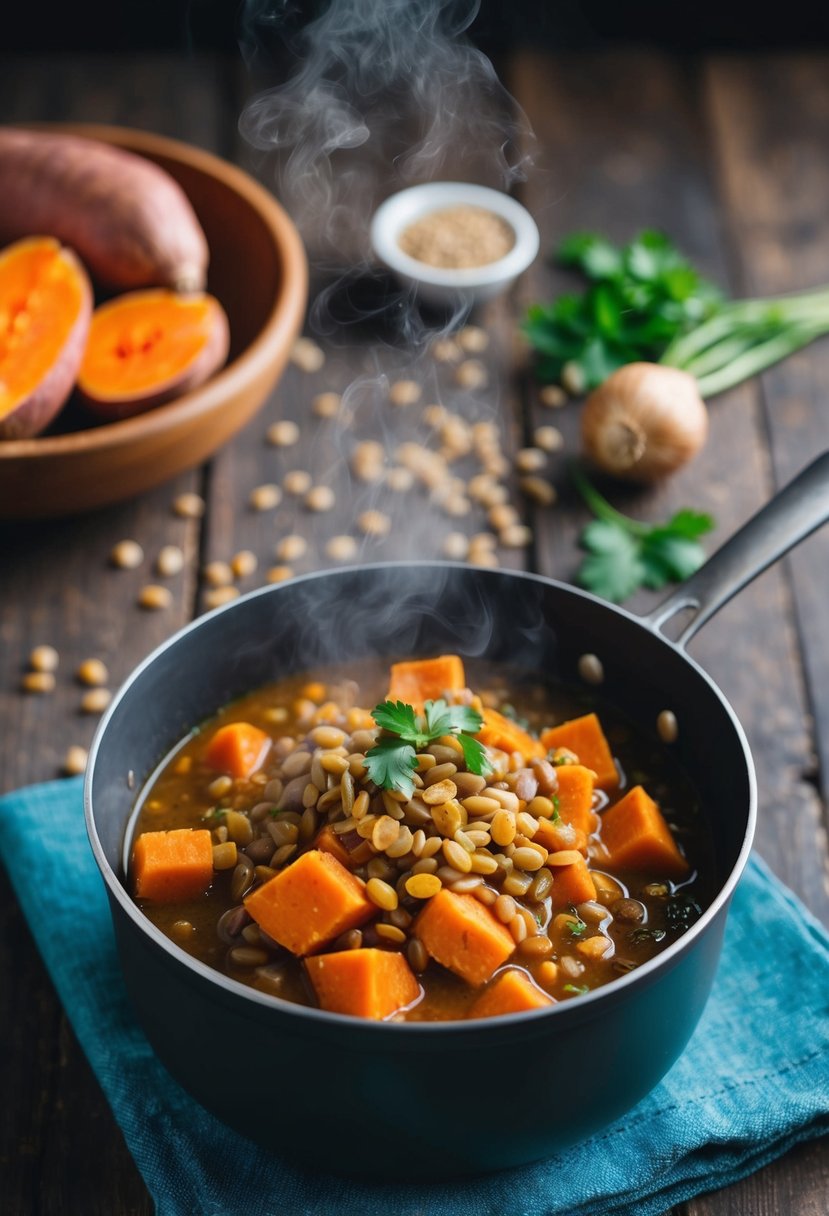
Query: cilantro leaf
{"points": [[393, 759], [390, 764], [625, 554]]}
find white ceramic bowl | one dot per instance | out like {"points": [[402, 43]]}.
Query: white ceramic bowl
{"points": [[439, 285]]}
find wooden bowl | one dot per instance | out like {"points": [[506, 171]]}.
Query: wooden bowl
{"points": [[258, 271]]}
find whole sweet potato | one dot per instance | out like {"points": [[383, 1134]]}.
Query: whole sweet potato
{"points": [[126, 218]]}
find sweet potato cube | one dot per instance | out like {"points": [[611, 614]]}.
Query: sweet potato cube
{"points": [[327, 841], [508, 736], [638, 838], [420, 680], [510, 992], [585, 737], [460, 933], [572, 884], [237, 749], [170, 867], [310, 903], [367, 983], [575, 796]]}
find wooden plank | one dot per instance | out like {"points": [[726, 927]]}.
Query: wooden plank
{"points": [[777, 182], [59, 588]]}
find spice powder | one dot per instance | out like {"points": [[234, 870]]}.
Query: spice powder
{"points": [[458, 238]]}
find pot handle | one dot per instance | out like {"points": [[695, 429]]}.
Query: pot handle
{"points": [[787, 519]]}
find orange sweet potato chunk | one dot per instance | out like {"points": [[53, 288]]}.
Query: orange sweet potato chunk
{"points": [[511, 992], [367, 983], [575, 796], [572, 884], [310, 903], [419, 680], [328, 841], [585, 737], [170, 867], [237, 749], [508, 736], [460, 933], [638, 838]]}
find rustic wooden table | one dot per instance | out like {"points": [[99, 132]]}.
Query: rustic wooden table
{"points": [[726, 154]]}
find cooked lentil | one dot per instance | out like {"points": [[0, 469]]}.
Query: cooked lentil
{"points": [[265, 497], [154, 597], [38, 681], [306, 355], [127, 555], [189, 505], [282, 434], [170, 561], [95, 701]]}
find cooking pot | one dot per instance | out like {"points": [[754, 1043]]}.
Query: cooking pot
{"points": [[400, 1099]]}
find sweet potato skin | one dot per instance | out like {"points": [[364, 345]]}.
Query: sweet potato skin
{"points": [[33, 414], [127, 219]]}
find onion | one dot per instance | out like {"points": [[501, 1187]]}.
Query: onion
{"points": [[644, 422]]}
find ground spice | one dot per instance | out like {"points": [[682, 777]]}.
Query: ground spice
{"points": [[458, 238]]}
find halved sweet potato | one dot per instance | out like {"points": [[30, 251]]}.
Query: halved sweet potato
{"points": [[45, 306], [127, 219], [147, 347]]}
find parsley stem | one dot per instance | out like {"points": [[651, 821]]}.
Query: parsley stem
{"points": [[601, 508]]}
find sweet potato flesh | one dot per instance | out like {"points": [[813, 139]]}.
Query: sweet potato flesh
{"points": [[41, 297], [310, 903], [419, 680], [367, 983], [510, 992], [585, 737], [141, 342], [237, 749], [501, 732], [637, 837], [172, 866], [464, 936]]}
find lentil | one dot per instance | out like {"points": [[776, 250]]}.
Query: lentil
{"points": [[170, 561], [458, 237], [291, 547], [473, 339], [667, 726], [591, 669], [341, 548], [539, 490], [74, 762], [127, 555], [282, 434], [399, 479], [92, 672], [306, 355], [455, 546], [381, 894], [95, 701], [38, 681], [154, 597], [217, 596], [548, 438], [471, 374], [374, 523], [244, 563], [218, 574], [326, 405], [265, 497], [297, 482], [189, 505], [422, 884], [405, 392], [320, 498]]}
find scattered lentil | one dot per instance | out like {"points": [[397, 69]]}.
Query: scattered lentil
{"points": [[591, 669], [516, 536], [244, 563], [667, 726], [265, 497], [320, 498], [279, 574], [154, 597], [326, 405], [297, 482], [374, 523], [282, 434], [170, 561], [445, 350], [473, 339], [216, 596], [552, 396], [38, 681], [399, 479], [341, 548], [218, 574], [292, 547], [74, 762], [306, 355], [539, 490], [367, 461], [530, 460], [189, 505], [471, 374], [126, 555], [548, 438], [44, 658], [95, 700], [455, 546], [405, 392]]}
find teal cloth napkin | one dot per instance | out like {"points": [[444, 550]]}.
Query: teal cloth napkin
{"points": [[753, 1081]]}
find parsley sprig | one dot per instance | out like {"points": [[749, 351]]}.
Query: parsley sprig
{"points": [[640, 298], [393, 759], [624, 554]]}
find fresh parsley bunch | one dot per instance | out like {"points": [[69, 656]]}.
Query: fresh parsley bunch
{"points": [[393, 759], [641, 297]]}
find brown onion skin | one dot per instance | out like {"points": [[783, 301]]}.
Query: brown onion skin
{"points": [[644, 422]]}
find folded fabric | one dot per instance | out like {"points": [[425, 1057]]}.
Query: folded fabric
{"points": [[753, 1081]]}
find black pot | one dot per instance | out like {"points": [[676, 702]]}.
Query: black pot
{"points": [[380, 1097]]}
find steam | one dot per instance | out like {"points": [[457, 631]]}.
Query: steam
{"points": [[396, 80]]}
